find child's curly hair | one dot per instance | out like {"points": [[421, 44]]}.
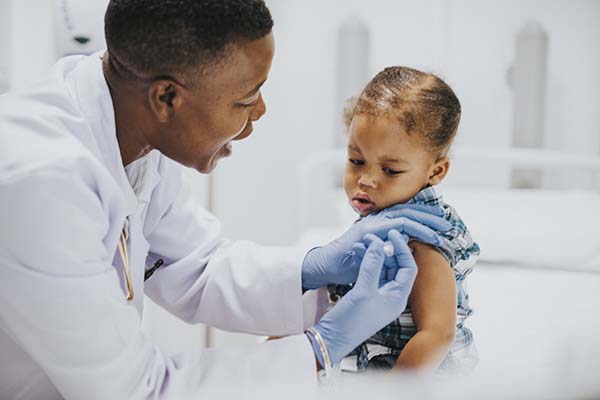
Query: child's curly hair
{"points": [[422, 102]]}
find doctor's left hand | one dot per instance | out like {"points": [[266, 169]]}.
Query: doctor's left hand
{"points": [[368, 307], [339, 261]]}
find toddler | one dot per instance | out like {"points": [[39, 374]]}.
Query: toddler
{"points": [[400, 130]]}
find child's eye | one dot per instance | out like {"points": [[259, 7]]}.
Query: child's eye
{"points": [[391, 172], [356, 162]]}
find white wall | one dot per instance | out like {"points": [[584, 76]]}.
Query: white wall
{"points": [[468, 42], [5, 44], [32, 52]]}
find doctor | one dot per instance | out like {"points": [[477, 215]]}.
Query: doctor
{"points": [[95, 214]]}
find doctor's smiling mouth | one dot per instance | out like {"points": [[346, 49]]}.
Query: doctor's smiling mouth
{"points": [[227, 149]]}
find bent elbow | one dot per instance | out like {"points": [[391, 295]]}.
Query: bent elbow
{"points": [[448, 336], [444, 336]]}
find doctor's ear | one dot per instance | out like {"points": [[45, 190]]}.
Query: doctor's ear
{"points": [[164, 98], [438, 171]]}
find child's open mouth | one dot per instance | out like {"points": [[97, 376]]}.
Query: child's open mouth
{"points": [[363, 204]]}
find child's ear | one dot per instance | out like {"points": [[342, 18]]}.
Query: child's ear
{"points": [[438, 171]]}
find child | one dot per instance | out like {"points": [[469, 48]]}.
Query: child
{"points": [[400, 131]]}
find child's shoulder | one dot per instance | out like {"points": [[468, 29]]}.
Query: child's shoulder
{"points": [[429, 196], [458, 243]]}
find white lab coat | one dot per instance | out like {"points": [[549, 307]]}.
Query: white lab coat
{"points": [[66, 329]]}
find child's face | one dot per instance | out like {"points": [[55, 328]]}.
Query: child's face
{"points": [[386, 165]]}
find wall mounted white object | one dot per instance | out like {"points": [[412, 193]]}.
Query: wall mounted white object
{"points": [[79, 26]]}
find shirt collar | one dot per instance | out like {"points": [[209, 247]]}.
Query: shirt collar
{"points": [[426, 196], [91, 91]]}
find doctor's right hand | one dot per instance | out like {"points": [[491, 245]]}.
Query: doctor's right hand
{"points": [[368, 307], [337, 261]]}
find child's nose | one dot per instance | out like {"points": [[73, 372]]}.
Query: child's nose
{"points": [[366, 180]]}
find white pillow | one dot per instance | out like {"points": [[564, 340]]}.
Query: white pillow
{"points": [[540, 228]]}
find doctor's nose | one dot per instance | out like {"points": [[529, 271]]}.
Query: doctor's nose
{"points": [[259, 109]]}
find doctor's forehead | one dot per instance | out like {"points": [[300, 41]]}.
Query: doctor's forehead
{"points": [[243, 70]]}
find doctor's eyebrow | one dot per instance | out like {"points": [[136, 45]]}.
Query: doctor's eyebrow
{"points": [[255, 89]]}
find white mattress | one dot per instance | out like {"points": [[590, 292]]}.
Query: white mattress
{"points": [[544, 322], [536, 332]]}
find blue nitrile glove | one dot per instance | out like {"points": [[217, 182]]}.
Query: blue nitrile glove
{"points": [[335, 263], [392, 262], [367, 308]]}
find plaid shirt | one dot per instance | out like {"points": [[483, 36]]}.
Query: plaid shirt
{"points": [[461, 253]]}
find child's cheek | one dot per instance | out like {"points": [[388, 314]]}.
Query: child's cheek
{"points": [[349, 183]]}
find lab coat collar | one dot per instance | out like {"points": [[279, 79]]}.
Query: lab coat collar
{"points": [[92, 92]]}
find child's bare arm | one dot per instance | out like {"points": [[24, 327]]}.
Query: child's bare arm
{"points": [[433, 304]]}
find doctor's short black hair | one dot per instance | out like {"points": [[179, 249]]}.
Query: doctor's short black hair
{"points": [[153, 37]]}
